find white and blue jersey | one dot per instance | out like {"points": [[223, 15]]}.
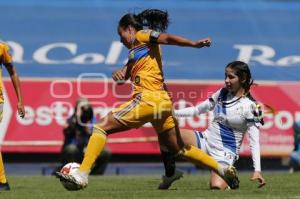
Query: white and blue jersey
{"points": [[232, 118]]}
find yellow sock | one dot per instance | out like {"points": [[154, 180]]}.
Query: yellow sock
{"points": [[199, 157], [2, 171], [94, 148]]}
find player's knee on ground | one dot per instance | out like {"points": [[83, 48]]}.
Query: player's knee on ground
{"points": [[217, 182], [218, 186]]}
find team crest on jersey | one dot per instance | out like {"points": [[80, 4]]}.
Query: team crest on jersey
{"points": [[137, 80]]}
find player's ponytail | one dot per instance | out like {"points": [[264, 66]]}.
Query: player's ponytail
{"points": [[151, 18], [154, 19], [131, 19]]}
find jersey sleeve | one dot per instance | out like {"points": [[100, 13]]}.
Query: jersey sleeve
{"points": [[203, 107], [147, 36], [6, 57], [253, 132]]}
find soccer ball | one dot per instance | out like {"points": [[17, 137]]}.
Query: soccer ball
{"points": [[68, 169]]}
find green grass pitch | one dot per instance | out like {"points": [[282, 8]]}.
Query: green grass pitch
{"points": [[279, 186]]}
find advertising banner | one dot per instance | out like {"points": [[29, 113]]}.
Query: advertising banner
{"points": [[50, 102]]}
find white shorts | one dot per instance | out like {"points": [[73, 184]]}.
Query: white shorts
{"points": [[224, 157], [1, 112]]}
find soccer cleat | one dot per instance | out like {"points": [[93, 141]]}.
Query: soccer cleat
{"points": [[78, 179], [167, 181], [4, 186], [231, 178]]}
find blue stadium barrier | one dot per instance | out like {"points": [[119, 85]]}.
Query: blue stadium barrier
{"points": [[66, 38]]}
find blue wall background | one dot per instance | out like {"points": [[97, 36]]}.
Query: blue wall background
{"points": [[91, 26]]}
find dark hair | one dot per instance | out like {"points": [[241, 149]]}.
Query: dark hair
{"points": [[151, 18], [243, 72]]}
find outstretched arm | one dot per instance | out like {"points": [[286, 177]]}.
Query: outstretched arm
{"points": [[165, 38], [255, 151], [203, 107], [16, 82]]}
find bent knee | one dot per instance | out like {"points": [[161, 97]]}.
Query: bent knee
{"points": [[218, 185]]}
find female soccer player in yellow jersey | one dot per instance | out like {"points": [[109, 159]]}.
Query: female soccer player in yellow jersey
{"points": [[6, 60], [150, 101]]}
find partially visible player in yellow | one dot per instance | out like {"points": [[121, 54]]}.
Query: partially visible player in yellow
{"points": [[6, 60], [150, 101]]}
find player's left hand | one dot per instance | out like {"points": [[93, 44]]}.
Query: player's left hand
{"points": [[257, 176], [21, 110], [203, 42]]}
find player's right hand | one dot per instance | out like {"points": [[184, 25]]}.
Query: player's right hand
{"points": [[21, 110]]}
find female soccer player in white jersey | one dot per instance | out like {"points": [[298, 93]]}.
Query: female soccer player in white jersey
{"points": [[235, 112]]}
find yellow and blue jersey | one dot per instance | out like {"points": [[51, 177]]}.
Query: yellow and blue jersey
{"points": [[5, 58], [145, 57], [150, 103]]}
